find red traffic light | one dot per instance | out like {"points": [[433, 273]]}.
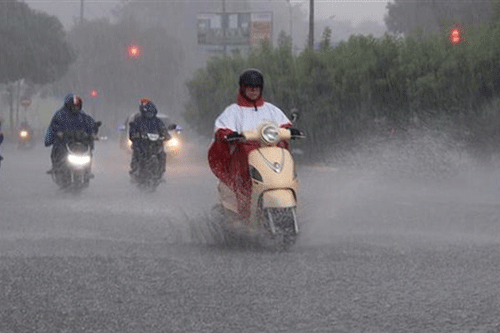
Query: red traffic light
{"points": [[93, 93], [133, 51], [455, 36]]}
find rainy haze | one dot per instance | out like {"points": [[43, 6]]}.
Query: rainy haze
{"points": [[398, 173]]}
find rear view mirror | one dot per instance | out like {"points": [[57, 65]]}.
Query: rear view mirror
{"points": [[174, 127], [294, 114]]}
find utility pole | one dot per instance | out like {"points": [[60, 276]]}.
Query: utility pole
{"points": [[18, 99], [290, 8], [311, 24]]}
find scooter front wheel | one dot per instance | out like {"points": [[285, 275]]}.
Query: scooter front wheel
{"points": [[281, 224]]}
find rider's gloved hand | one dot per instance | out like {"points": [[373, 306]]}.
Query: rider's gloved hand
{"points": [[234, 136], [296, 133]]}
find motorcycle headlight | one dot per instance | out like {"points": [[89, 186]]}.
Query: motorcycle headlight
{"points": [[153, 136], [270, 134], [79, 160], [173, 143], [23, 134]]}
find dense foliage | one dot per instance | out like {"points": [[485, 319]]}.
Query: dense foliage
{"points": [[365, 85], [104, 65], [34, 45]]}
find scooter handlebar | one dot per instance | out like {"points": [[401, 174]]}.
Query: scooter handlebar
{"points": [[235, 136]]}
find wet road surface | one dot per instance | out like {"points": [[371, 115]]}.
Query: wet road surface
{"points": [[374, 255]]}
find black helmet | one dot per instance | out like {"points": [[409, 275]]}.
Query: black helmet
{"points": [[142, 104], [252, 78], [148, 109]]}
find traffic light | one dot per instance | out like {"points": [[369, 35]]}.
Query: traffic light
{"points": [[134, 51], [455, 36]]}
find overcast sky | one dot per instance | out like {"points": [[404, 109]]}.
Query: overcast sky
{"points": [[345, 10], [350, 10]]}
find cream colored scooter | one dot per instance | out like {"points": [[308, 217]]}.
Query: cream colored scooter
{"points": [[274, 188]]}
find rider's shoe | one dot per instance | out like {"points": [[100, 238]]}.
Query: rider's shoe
{"points": [[134, 174]]}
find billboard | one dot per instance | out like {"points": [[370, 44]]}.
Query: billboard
{"points": [[234, 29], [261, 28]]}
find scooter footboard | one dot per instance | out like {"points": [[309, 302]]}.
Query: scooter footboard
{"points": [[279, 198]]}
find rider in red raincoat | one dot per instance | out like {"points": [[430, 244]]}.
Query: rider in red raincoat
{"points": [[229, 160]]}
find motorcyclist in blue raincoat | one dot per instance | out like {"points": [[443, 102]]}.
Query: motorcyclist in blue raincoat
{"points": [[146, 122], [68, 118]]}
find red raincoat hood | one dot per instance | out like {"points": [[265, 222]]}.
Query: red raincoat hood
{"points": [[241, 100]]}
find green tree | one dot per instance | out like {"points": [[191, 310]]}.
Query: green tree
{"points": [[211, 90], [34, 45], [103, 64], [366, 85], [34, 48]]}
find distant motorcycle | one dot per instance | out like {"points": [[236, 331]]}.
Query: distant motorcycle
{"points": [[149, 174], [74, 172], [173, 146], [25, 139]]}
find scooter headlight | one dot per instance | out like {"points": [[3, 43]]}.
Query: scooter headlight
{"points": [[79, 160], [270, 134]]}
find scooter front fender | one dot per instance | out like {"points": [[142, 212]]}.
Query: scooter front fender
{"points": [[278, 198]]}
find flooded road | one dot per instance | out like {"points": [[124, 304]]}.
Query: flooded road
{"points": [[376, 254]]}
